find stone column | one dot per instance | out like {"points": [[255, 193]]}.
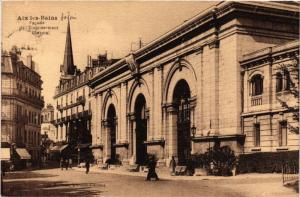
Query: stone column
{"points": [[61, 132], [122, 116], [157, 100], [172, 131], [214, 86], [132, 140], [107, 144]]}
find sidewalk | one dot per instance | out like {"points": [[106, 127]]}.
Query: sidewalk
{"points": [[164, 173], [251, 185]]}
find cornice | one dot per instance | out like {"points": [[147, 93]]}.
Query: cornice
{"points": [[271, 54], [209, 18]]}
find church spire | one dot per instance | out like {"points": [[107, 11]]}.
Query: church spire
{"points": [[68, 65]]}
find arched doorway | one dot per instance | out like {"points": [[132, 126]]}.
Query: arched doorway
{"points": [[181, 102], [111, 123], [141, 129]]}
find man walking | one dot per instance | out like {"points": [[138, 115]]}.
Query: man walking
{"points": [[62, 163], [151, 171], [66, 163], [87, 166], [70, 163]]}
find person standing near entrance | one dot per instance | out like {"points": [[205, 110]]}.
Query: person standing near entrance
{"points": [[173, 166], [66, 163], [62, 163], [87, 166], [70, 163]]}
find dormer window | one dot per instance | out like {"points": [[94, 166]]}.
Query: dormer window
{"points": [[257, 85]]}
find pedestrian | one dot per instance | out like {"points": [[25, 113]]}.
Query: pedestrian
{"points": [[70, 163], [87, 166], [66, 163], [62, 163], [3, 168], [173, 166], [151, 171]]}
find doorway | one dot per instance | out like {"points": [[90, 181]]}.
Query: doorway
{"points": [[181, 100], [111, 120], [141, 130]]}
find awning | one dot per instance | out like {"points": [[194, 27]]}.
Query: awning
{"points": [[63, 147], [5, 154], [58, 148], [96, 146], [54, 148], [83, 145], [22, 152]]}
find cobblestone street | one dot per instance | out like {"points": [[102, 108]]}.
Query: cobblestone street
{"points": [[55, 182]]}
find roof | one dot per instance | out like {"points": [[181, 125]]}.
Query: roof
{"points": [[272, 9], [68, 64], [274, 51]]}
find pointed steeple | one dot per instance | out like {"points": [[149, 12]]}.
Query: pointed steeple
{"points": [[68, 65]]}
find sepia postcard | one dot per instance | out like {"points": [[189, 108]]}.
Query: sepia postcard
{"points": [[150, 98]]}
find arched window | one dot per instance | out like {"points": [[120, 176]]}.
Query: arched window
{"points": [[279, 82], [257, 85]]}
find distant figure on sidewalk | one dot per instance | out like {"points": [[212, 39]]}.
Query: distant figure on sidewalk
{"points": [[151, 171], [61, 163], [87, 166], [3, 166], [70, 163], [66, 163], [173, 166]]}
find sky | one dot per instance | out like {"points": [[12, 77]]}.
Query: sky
{"points": [[96, 27]]}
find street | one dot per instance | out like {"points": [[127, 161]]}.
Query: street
{"points": [[54, 182]]}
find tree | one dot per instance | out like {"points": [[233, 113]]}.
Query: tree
{"points": [[220, 160], [291, 74]]}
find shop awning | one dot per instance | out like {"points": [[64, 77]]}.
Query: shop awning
{"points": [[96, 146], [58, 148], [87, 145], [5, 154], [63, 147], [23, 153], [54, 148]]}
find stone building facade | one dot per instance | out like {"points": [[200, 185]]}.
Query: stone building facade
{"points": [[182, 93], [72, 113], [21, 102], [47, 128], [270, 115]]}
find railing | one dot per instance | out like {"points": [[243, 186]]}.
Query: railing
{"points": [[23, 95], [79, 101], [256, 100], [289, 172], [73, 116]]}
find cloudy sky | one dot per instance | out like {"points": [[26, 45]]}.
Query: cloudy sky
{"points": [[97, 27]]}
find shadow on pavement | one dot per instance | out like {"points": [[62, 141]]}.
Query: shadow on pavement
{"points": [[25, 175], [293, 185], [53, 188]]}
